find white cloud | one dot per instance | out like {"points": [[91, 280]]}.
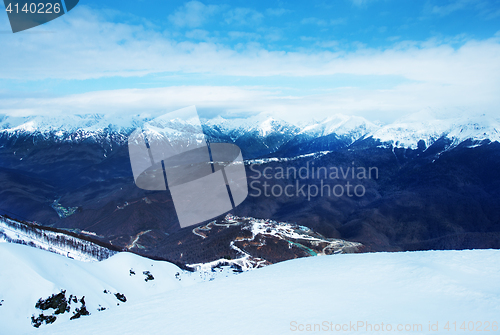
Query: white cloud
{"points": [[375, 104], [198, 34], [85, 46], [226, 99], [192, 14]]}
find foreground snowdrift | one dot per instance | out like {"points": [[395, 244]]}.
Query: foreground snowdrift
{"points": [[391, 288]]}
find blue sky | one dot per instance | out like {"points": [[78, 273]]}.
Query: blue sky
{"points": [[379, 59], [337, 25]]}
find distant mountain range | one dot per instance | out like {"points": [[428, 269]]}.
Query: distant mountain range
{"points": [[271, 134], [437, 187]]}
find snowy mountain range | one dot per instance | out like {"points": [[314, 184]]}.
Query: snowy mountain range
{"points": [[74, 173], [58, 171], [405, 132], [409, 130]]}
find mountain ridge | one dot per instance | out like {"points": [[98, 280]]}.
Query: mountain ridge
{"points": [[405, 132], [437, 176]]}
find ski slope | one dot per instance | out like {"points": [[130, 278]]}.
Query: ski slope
{"points": [[410, 288], [28, 274]]}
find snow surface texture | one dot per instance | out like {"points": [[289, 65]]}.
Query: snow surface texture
{"points": [[28, 274], [393, 288], [406, 132]]}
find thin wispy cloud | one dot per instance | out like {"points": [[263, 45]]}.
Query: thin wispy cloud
{"points": [[198, 34], [243, 16], [231, 60], [486, 9], [362, 3], [277, 11], [321, 22], [100, 49], [193, 14], [244, 34], [338, 21], [314, 20], [452, 6]]}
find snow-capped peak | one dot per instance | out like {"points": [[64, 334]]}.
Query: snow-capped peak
{"points": [[71, 127], [408, 131], [262, 124], [226, 125], [341, 125]]}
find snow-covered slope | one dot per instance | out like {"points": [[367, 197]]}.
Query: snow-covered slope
{"points": [[28, 274], [264, 125], [259, 134], [408, 131], [70, 123], [400, 290], [72, 127], [59, 243], [354, 127]]}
